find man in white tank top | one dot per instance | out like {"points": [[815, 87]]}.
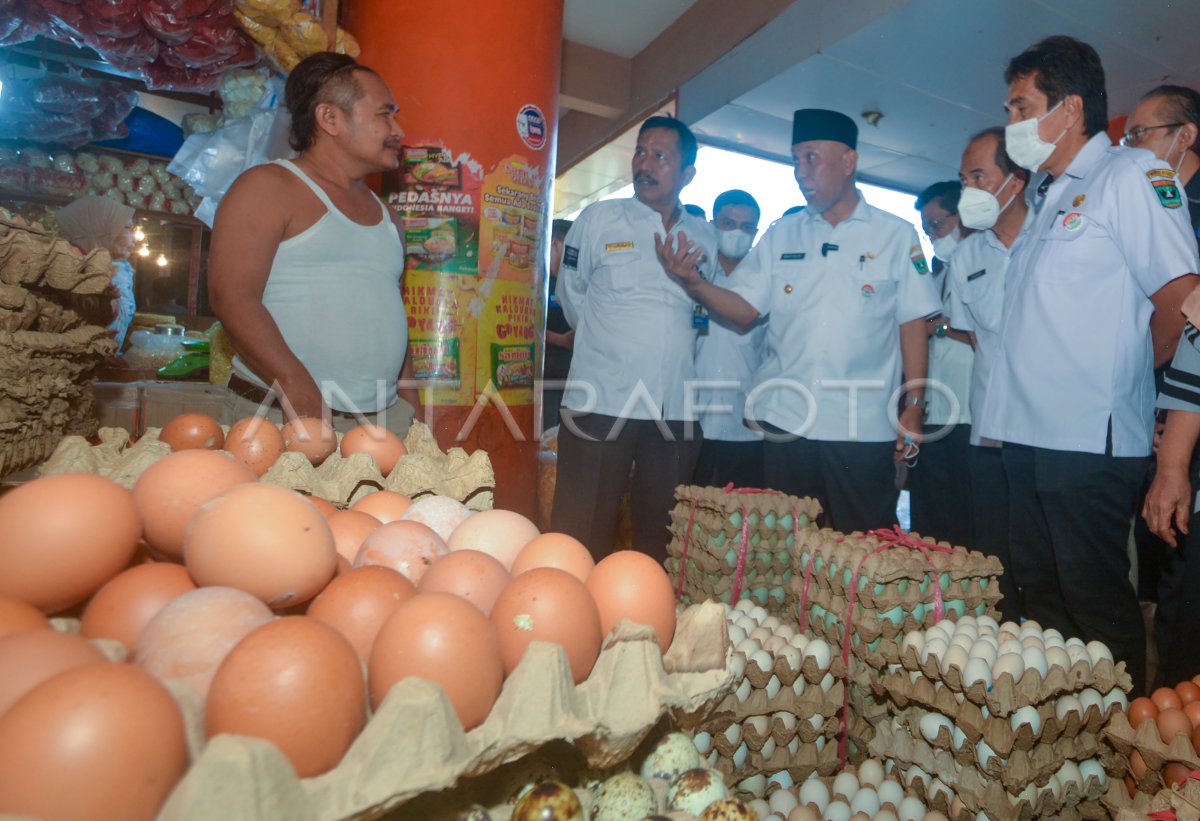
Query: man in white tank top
{"points": [[306, 261]]}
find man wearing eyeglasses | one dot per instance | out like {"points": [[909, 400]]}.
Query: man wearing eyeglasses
{"points": [[1167, 122], [1092, 301]]}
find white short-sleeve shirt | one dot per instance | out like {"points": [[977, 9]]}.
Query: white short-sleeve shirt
{"points": [[950, 364], [977, 304], [1075, 349], [730, 355], [634, 353], [836, 296]]}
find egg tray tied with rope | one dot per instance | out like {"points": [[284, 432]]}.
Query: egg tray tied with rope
{"points": [[1004, 719], [728, 544], [1158, 736]]}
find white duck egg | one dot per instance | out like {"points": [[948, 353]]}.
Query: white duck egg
{"points": [[916, 775], [1077, 653], [866, 800], [761, 634], [1026, 715], [768, 748], [782, 779], [934, 649], [827, 682], [738, 665], [1098, 651], [788, 720], [755, 785], [743, 690], [911, 808], [1117, 697], [983, 753], [984, 649], [773, 685], [733, 734], [1010, 646], [776, 643], [932, 723], [818, 650], [890, 793], [1035, 659], [748, 646], [986, 622], [763, 660], [799, 641], [760, 724], [1011, 663], [956, 657], [703, 741], [1090, 697], [1093, 769], [798, 685], [1057, 657], [785, 632], [962, 640], [977, 670], [1066, 705], [814, 791], [838, 811], [740, 755], [782, 802], [792, 656], [845, 785], [1069, 775], [1032, 641], [758, 613], [870, 773], [758, 806], [771, 623], [914, 639], [744, 605], [736, 634], [1029, 627]]}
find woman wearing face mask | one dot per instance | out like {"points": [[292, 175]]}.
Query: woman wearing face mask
{"points": [[726, 353], [939, 481], [100, 222]]}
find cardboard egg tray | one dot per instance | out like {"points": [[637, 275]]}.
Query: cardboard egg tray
{"points": [[799, 760], [343, 480], [414, 743], [1006, 694], [976, 791], [894, 591], [1154, 751], [1183, 800], [714, 544]]}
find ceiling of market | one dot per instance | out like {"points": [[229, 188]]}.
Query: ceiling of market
{"points": [[932, 68]]}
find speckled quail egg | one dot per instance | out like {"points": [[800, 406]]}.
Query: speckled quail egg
{"points": [[695, 789], [672, 755], [549, 801], [728, 809], [624, 797]]}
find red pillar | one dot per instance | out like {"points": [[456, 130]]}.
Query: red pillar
{"points": [[476, 82]]}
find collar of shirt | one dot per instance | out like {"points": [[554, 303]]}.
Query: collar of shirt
{"points": [[861, 212], [687, 220], [1092, 152]]}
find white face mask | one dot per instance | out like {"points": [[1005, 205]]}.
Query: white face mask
{"points": [[734, 244], [1167, 158], [1025, 145], [944, 246], [979, 209]]}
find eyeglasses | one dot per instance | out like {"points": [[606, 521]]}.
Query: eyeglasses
{"points": [[934, 226], [1134, 135]]}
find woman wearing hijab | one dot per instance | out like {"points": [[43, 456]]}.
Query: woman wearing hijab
{"points": [[100, 222]]}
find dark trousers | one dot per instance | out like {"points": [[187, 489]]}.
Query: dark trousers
{"points": [[1177, 619], [722, 462], [939, 488], [990, 521], [855, 482], [1069, 523], [595, 456]]}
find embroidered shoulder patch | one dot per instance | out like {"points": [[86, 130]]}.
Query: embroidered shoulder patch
{"points": [[917, 255], [570, 256], [1168, 193]]}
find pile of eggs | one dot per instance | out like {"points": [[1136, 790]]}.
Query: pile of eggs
{"points": [[981, 651], [1171, 712], [241, 596], [862, 793], [784, 701]]}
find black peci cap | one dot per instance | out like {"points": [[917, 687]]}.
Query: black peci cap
{"points": [[823, 124]]}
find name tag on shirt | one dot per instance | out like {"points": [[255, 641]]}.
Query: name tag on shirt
{"points": [[976, 275], [618, 246], [792, 256]]}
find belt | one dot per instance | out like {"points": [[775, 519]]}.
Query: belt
{"points": [[248, 390]]}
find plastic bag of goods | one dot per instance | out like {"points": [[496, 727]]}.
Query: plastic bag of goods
{"points": [[113, 18]]}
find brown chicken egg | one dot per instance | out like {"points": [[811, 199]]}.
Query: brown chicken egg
{"points": [[379, 443], [94, 743], [193, 430], [255, 442], [358, 603], [1175, 774], [171, 490], [548, 604], [63, 536], [406, 547], [1173, 722], [1187, 692], [264, 539], [122, 608], [315, 438], [190, 637], [501, 534], [631, 585], [32, 656], [326, 507], [296, 682], [384, 505], [350, 528], [1165, 698], [468, 574], [445, 640], [1141, 709], [555, 550], [16, 615]]}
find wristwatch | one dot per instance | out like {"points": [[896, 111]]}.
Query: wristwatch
{"points": [[941, 328], [920, 401]]}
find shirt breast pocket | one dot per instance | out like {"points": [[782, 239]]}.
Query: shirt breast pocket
{"points": [[873, 294], [619, 271], [1072, 251], [974, 291]]}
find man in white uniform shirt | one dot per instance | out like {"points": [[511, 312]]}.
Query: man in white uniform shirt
{"points": [[1092, 301], [939, 485], [848, 291], [992, 203], [626, 404], [726, 358]]}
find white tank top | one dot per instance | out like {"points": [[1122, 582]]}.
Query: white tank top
{"points": [[334, 292]]}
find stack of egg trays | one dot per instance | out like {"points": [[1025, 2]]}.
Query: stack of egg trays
{"points": [[714, 544], [1015, 733], [784, 712], [962, 791], [1147, 741], [895, 592]]}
